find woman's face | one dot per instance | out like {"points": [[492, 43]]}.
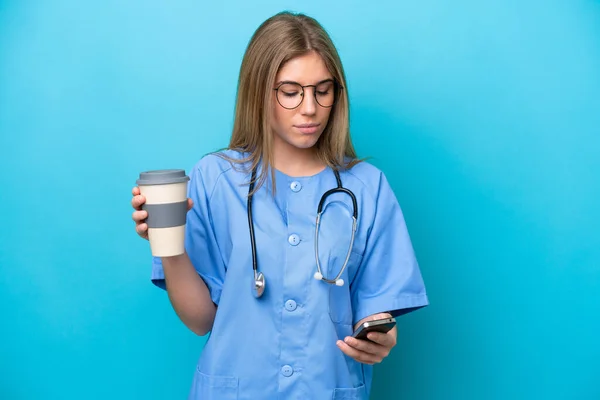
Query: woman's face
{"points": [[299, 128]]}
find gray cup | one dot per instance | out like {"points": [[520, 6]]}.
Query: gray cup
{"points": [[166, 203]]}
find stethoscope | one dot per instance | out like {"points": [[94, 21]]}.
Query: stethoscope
{"points": [[259, 278]]}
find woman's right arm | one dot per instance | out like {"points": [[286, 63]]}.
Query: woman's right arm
{"points": [[187, 292]]}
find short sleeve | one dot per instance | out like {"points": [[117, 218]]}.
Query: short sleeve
{"points": [[388, 278], [200, 240]]}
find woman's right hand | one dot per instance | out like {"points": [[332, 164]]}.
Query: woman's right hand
{"points": [[139, 216]]}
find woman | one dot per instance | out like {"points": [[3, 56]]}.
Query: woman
{"points": [[289, 336]]}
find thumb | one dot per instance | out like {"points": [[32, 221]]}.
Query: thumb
{"points": [[378, 316]]}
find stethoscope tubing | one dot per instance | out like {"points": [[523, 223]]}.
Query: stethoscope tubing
{"points": [[259, 279]]}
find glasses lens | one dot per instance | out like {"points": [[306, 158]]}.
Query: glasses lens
{"points": [[325, 94], [289, 95]]}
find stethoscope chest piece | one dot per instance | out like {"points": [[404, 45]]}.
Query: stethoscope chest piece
{"points": [[258, 287]]}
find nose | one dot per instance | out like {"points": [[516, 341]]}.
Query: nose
{"points": [[309, 104]]}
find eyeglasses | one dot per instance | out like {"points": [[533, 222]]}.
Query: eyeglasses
{"points": [[291, 94]]}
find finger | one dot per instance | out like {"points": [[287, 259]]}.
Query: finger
{"points": [[366, 346], [137, 201], [141, 229], [190, 204], [135, 191], [383, 339], [139, 216], [357, 354]]}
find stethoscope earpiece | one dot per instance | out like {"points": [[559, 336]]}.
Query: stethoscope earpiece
{"points": [[319, 276]]}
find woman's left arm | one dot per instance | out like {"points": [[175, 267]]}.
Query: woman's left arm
{"points": [[388, 281]]}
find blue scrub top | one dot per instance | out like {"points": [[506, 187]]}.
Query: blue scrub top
{"points": [[283, 345]]}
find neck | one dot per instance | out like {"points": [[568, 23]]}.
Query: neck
{"points": [[296, 162]]}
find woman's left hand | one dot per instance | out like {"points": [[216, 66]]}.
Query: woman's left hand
{"points": [[368, 352]]}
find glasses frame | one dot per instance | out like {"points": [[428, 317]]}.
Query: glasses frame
{"points": [[337, 90]]}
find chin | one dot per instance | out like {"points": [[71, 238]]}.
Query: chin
{"points": [[305, 143]]}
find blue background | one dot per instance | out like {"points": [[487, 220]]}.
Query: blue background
{"points": [[484, 115]]}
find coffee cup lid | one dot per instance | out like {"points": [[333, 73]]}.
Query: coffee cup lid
{"points": [[162, 177]]}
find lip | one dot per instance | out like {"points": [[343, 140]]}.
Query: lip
{"points": [[307, 128]]}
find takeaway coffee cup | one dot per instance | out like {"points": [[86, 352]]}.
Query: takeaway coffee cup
{"points": [[166, 203]]}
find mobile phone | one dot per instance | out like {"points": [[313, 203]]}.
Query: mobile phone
{"points": [[379, 325]]}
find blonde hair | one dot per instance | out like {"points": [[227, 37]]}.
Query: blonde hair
{"points": [[280, 38]]}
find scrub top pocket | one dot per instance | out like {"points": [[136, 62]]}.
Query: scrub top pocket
{"points": [[357, 393], [209, 387]]}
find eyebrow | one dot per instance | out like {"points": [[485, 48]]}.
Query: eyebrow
{"points": [[316, 84]]}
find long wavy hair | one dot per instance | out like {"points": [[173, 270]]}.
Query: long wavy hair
{"points": [[277, 40]]}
